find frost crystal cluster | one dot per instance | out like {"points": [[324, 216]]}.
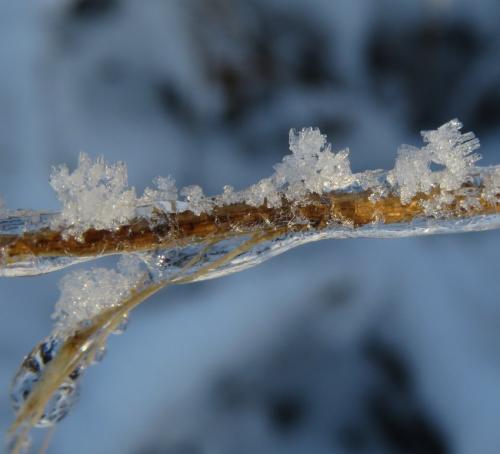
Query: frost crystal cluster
{"points": [[95, 195], [164, 193], [196, 200], [445, 147], [311, 168], [85, 294]]}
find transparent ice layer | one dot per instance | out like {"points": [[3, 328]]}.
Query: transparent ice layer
{"points": [[30, 373], [87, 293], [170, 263], [436, 220], [16, 223]]}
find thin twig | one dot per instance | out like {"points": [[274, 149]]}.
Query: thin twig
{"points": [[81, 347], [166, 230]]}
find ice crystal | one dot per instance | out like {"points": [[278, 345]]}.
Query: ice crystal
{"points": [[446, 147], [86, 293], [228, 196], [165, 191], [95, 195], [196, 200], [312, 167], [491, 182], [263, 192], [412, 172]]}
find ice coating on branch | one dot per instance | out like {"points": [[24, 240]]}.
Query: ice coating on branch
{"points": [[446, 147], [84, 294], [95, 195], [31, 372]]}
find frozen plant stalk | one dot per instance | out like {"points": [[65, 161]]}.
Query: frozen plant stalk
{"points": [[312, 195]]}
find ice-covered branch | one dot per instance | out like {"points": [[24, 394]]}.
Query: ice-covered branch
{"points": [[312, 195], [311, 192]]}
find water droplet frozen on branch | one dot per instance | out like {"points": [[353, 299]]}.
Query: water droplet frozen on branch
{"points": [[31, 372]]}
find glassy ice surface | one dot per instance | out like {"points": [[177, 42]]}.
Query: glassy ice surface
{"points": [[22, 221], [16, 223], [30, 373], [170, 263], [40, 265]]}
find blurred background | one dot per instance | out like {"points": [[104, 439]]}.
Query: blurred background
{"points": [[353, 346]]}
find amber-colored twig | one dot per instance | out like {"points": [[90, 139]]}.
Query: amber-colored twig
{"points": [[167, 230]]}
